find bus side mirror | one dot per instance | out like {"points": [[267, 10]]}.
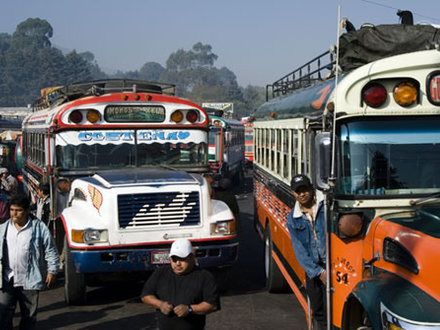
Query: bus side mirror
{"points": [[323, 152]]}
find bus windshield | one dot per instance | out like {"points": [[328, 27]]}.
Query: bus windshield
{"points": [[389, 156], [107, 149]]}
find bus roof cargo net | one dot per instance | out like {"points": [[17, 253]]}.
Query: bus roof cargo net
{"points": [[371, 43]]}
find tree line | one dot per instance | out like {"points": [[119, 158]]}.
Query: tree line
{"points": [[29, 62]]}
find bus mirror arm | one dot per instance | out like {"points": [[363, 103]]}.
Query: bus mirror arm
{"points": [[368, 264]]}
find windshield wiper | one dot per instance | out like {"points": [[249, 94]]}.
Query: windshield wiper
{"points": [[424, 200]]}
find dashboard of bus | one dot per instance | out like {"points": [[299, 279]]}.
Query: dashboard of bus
{"points": [[380, 156]]}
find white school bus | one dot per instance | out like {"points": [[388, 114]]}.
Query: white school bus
{"points": [[370, 141], [135, 155]]}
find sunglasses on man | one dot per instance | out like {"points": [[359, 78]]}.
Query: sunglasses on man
{"points": [[176, 258]]}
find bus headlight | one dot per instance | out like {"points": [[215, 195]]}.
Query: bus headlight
{"points": [[89, 235], [228, 227], [392, 321]]}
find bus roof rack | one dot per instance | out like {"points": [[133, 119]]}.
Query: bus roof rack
{"points": [[357, 48], [61, 94], [304, 76]]}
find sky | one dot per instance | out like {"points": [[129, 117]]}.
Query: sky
{"points": [[260, 41]]}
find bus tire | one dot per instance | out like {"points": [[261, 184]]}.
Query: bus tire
{"points": [[74, 283], [355, 317], [275, 281]]}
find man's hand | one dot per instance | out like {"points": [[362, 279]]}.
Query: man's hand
{"points": [[323, 277], [50, 280], [181, 310], [165, 307]]}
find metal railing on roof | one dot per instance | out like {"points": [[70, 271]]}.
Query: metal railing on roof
{"points": [[60, 94], [304, 76]]}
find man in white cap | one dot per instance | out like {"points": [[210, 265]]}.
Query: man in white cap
{"points": [[181, 292]]}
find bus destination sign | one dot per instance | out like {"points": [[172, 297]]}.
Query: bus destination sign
{"points": [[134, 113]]}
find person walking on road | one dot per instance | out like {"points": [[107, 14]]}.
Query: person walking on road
{"points": [[42, 211], [306, 224], [29, 263], [8, 184], [181, 292]]}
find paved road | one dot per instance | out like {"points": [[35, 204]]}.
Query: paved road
{"points": [[245, 303]]}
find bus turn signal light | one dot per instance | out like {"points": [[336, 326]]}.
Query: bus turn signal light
{"points": [[374, 95], [177, 116], [93, 116], [405, 94]]}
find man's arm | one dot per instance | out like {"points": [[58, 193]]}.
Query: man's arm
{"points": [[301, 254], [51, 254], [202, 308], [164, 306]]}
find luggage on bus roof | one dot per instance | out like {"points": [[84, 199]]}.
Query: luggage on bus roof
{"points": [[371, 43], [61, 94]]}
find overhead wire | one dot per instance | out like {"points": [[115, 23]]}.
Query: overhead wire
{"points": [[390, 7]]}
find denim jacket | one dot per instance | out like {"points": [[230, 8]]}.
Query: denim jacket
{"points": [[43, 255], [309, 252]]}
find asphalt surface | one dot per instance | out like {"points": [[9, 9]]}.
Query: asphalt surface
{"points": [[245, 302]]}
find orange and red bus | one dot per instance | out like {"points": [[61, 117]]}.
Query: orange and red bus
{"points": [[248, 140]]}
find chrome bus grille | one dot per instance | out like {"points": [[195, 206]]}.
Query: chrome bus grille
{"points": [[159, 209]]}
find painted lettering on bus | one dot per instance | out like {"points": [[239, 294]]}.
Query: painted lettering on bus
{"points": [[154, 135]]}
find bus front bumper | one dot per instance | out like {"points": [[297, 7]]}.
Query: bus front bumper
{"points": [[147, 259]]}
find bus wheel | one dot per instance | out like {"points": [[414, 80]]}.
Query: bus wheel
{"points": [[74, 283], [275, 282], [356, 316]]}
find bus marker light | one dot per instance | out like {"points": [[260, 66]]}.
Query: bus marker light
{"points": [[124, 97], [405, 94], [331, 106], [137, 97], [192, 116], [93, 116], [177, 116], [76, 116], [374, 95], [77, 236], [433, 88]]}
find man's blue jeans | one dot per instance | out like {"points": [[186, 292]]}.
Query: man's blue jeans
{"points": [[28, 301]]}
